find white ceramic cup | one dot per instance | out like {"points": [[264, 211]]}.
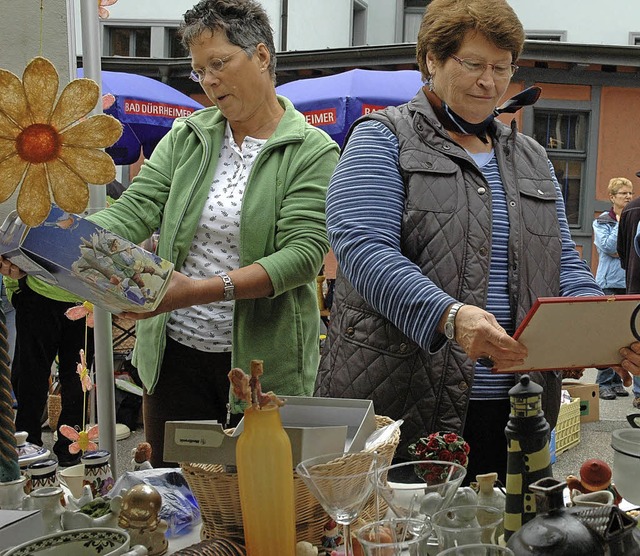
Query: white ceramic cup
{"points": [[72, 477]]}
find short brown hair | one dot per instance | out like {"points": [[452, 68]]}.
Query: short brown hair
{"points": [[445, 23], [616, 184]]}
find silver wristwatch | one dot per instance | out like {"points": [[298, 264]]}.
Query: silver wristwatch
{"points": [[450, 325], [229, 289]]}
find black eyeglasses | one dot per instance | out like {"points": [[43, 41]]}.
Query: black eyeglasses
{"points": [[477, 67], [215, 65]]}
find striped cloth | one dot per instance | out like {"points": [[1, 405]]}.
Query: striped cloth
{"points": [[365, 202]]}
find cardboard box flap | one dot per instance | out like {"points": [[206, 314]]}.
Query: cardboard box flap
{"points": [[315, 426]]}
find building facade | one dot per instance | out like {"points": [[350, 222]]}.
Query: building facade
{"points": [[582, 54]]}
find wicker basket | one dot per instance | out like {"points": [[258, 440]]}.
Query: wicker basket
{"points": [[54, 408], [217, 494]]}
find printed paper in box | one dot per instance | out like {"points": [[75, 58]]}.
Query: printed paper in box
{"points": [[87, 260]]}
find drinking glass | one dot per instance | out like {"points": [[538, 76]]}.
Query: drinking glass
{"points": [[477, 550], [342, 483], [467, 525], [409, 494], [418, 490], [394, 537]]}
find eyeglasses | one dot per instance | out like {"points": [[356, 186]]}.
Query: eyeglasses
{"points": [[215, 65], [625, 193], [477, 68]]}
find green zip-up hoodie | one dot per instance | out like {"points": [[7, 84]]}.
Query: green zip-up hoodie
{"points": [[282, 228]]}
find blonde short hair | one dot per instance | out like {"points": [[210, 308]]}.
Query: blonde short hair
{"points": [[616, 184]]}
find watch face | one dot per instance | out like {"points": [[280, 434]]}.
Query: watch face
{"points": [[449, 330]]}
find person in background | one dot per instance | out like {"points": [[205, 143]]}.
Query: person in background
{"points": [[630, 262], [447, 226], [44, 333], [610, 275], [237, 192]]}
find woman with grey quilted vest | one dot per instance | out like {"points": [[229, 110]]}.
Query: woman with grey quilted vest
{"points": [[447, 225]]}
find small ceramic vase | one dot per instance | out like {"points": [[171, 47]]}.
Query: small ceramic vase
{"points": [[43, 473], [97, 472], [12, 494], [49, 501]]}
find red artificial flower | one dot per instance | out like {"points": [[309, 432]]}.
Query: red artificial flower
{"points": [[433, 443], [445, 455], [450, 437]]}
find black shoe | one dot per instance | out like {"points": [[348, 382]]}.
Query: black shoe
{"points": [[607, 393], [619, 390]]}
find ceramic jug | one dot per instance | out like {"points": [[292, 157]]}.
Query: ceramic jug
{"points": [[43, 473], [49, 501], [604, 530], [97, 472]]}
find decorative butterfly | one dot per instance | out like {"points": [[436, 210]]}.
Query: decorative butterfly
{"points": [[80, 311], [82, 440], [103, 12], [107, 101], [82, 370]]}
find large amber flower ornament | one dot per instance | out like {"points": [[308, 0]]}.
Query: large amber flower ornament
{"points": [[47, 145]]}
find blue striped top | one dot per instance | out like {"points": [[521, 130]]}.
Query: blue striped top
{"points": [[365, 202], [487, 385]]}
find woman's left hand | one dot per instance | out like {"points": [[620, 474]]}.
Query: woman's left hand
{"points": [[630, 365]]}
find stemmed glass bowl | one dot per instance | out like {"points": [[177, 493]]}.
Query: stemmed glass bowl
{"points": [[342, 483], [417, 490]]}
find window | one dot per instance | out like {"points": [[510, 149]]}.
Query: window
{"points": [[359, 30], [174, 47], [413, 12], [560, 36], [130, 41], [159, 39], [564, 136], [634, 39]]}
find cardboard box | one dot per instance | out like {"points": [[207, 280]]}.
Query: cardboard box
{"points": [[85, 259], [315, 426], [18, 526], [589, 395]]}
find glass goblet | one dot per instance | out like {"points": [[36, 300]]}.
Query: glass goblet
{"points": [[417, 490], [342, 483], [464, 525], [394, 537]]}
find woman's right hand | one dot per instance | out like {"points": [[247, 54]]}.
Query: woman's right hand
{"points": [[480, 336], [7, 268]]}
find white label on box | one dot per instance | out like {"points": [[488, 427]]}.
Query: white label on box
{"points": [[198, 437]]}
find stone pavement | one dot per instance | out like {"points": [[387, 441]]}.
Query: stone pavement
{"points": [[595, 438]]}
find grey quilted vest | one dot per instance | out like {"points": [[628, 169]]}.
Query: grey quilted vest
{"points": [[446, 230]]}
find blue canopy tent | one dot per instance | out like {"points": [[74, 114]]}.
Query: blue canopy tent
{"points": [[145, 107], [334, 102]]}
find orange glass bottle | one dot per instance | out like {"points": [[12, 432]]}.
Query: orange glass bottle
{"points": [[265, 482]]}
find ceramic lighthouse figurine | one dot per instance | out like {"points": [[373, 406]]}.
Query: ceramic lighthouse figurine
{"points": [[528, 457]]}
